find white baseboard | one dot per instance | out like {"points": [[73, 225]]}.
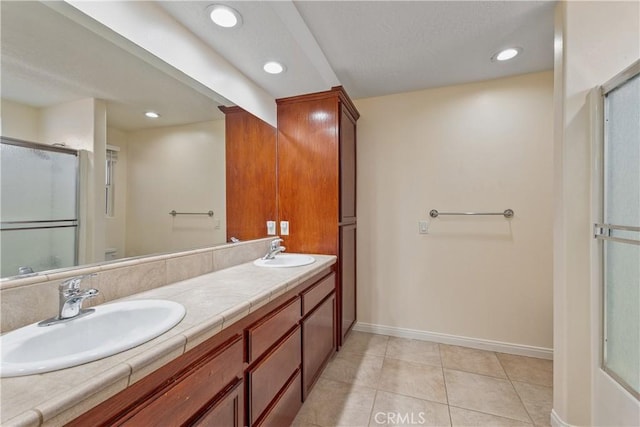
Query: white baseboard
{"points": [[501, 347], [556, 421]]}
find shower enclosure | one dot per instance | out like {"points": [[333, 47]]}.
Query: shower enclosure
{"points": [[38, 207]]}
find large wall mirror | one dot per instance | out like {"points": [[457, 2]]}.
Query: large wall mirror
{"points": [[86, 176]]}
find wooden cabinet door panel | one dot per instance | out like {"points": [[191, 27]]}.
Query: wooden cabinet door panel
{"points": [[308, 174], [347, 278], [318, 341], [347, 166]]}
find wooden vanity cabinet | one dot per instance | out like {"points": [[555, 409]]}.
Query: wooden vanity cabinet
{"points": [[186, 391], [317, 185], [253, 373]]}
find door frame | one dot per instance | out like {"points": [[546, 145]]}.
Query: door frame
{"points": [[611, 403]]}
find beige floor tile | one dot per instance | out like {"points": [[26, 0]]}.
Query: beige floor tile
{"points": [[424, 352], [355, 368], [363, 343], [413, 379], [527, 369], [538, 400], [333, 404], [471, 360], [392, 409], [466, 418], [484, 394]]}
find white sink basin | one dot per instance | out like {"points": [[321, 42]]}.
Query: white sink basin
{"points": [[286, 260], [111, 329]]}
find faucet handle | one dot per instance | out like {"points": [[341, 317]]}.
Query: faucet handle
{"points": [[275, 243], [73, 283]]}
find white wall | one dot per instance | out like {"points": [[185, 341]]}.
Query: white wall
{"points": [[19, 121], [477, 147], [175, 168], [594, 42]]}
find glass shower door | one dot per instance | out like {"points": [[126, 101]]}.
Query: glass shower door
{"points": [[38, 207], [620, 232]]}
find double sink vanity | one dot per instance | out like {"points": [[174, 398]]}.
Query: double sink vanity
{"points": [[239, 346]]}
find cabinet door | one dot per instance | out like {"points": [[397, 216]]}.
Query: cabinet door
{"points": [[347, 278], [308, 174], [347, 166], [228, 412], [318, 341]]}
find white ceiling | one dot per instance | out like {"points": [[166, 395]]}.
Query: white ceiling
{"points": [[48, 59], [372, 48], [376, 48]]}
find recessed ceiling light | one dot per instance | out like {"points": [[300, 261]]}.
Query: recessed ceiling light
{"points": [[224, 16], [152, 114], [273, 67], [507, 54]]}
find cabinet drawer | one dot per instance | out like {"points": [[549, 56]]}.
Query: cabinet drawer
{"points": [[262, 335], [196, 390], [268, 377], [312, 297], [287, 406]]}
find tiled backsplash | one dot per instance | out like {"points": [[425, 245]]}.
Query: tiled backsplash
{"points": [[28, 300]]}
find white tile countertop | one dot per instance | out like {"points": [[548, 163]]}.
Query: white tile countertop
{"points": [[213, 302]]}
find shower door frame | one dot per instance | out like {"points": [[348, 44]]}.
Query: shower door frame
{"points": [[612, 401], [76, 225]]}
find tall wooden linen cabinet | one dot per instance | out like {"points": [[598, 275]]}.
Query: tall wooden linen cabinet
{"points": [[317, 185]]}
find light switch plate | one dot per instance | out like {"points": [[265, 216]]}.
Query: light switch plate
{"points": [[271, 228], [284, 228], [423, 227]]}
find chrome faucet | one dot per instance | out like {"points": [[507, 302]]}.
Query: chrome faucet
{"points": [[274, 249], [71, 298]]}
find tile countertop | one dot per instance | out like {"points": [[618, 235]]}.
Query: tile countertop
{"points": [[213, 301]]}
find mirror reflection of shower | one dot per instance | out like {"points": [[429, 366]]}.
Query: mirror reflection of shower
{"points": [[38, 207]]}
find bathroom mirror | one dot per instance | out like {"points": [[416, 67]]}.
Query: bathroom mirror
{"points": [[65, 83]]}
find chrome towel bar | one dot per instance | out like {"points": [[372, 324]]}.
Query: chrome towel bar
{"points": [[174, 213], [508, 213]]}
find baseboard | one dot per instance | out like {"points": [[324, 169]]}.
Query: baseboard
{"points": [[501, 347], [556, 421]]}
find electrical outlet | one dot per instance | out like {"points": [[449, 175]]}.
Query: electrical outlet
{"points": [[271, 228], [284, 228], [423, 227]]}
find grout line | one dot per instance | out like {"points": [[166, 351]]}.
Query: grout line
{"points": [[493, 415], [516, 392], [375, 397], [444, 381]]}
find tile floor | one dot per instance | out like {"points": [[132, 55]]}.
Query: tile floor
{"points": [[376, 380]]}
